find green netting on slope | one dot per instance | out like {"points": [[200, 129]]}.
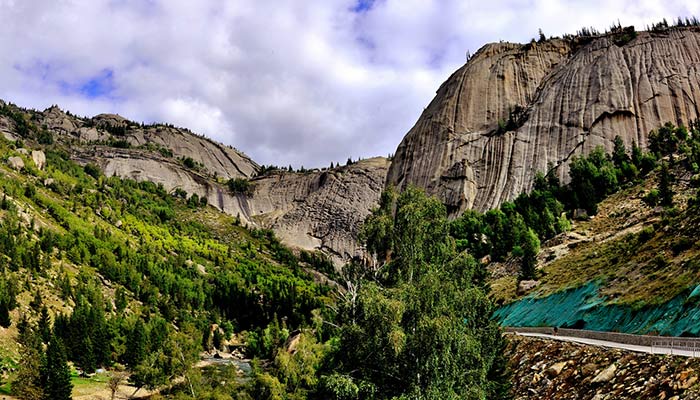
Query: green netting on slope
{"points": [[584, 308]]}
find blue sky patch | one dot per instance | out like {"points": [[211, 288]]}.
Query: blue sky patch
{"points": [[100, 85], [363, 6]]}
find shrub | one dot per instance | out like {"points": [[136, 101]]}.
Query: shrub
{"points": [[652, 198], [92, 170], [240, 186], [646, 233]]}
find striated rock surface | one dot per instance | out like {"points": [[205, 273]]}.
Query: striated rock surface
{"points": [[553, 100], [320, 210]]}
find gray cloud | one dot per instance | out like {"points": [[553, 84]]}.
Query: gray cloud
{"points": [[294, 82]]}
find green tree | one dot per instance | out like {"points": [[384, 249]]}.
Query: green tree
{"points": [[28, 380], [619, 154], [425, 332], [530, 246], [58, 381], [44, 324], [120, 300], [666, 179], [136, 344], [5, 320], [217, 339]]}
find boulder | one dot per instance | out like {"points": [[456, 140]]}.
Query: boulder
{"points": [[555, 369], [39, 159], [526, 286], [15, 163], [606, 375]]}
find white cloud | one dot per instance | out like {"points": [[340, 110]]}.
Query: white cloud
{"points": [[300, 82]]}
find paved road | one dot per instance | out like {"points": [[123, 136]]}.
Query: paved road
{"points": [[630, 347]]}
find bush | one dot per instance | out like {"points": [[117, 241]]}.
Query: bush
{"points": [[652, 198], [92, 170], [646, 233], [681, 244], [189, 163], [240, 186], [45, 137]]}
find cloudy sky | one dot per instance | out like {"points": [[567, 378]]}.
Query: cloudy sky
{"points": [[301, 82]]}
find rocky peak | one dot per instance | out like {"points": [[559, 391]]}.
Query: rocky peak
{"points": [[515, 110], [110, 119]]}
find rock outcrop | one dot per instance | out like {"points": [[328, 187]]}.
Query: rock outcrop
{"points": [[215, 159], [320, 210], [514, 110]]}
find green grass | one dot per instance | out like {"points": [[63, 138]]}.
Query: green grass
{"points": [[6, 389]]}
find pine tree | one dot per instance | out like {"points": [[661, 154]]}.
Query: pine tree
{"points": [[85, 359], [58, 382], [27, 383], [5, 320], [44, 325], [120, 299], [619, 155], [136, 345], [665, 183]]}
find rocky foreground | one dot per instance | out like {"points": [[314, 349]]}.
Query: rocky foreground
{"points": [[550, 369]]}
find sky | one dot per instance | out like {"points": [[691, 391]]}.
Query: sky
{"points": [[289, 82]]}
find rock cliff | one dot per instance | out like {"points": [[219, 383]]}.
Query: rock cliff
{"points": [[514, 110], [316, 210]]}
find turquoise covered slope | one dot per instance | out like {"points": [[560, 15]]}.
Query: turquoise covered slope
{"points": [[584, 308]]}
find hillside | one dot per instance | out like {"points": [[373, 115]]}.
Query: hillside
{"points": [[114, 263], [311, 210], [633, 267]]}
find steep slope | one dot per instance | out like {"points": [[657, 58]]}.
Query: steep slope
{"points": [[313, 210], [515, 110], [98, 257], [632, 268]]}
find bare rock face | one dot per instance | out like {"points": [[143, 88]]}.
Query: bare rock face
{"points": [[515, 110], [7, 128], [320, 210]]}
